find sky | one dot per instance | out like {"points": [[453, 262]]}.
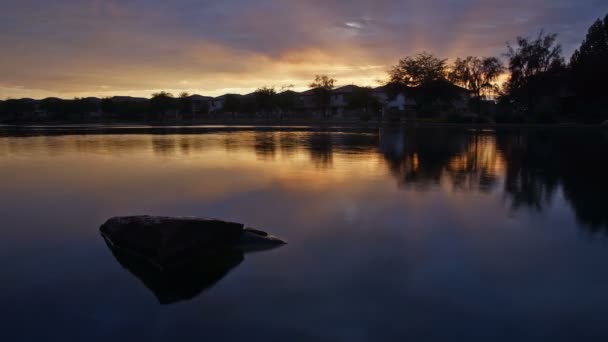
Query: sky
{"points": [[69, 48]]}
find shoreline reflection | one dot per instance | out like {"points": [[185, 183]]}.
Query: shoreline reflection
{"points": [[527, 167]]}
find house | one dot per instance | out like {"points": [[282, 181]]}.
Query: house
{"points": [[200, 105], [338, 101], [216, 104], [340, 96], [93, 105], [446, 95], [29, 109], [393, 97], [306, 100]]}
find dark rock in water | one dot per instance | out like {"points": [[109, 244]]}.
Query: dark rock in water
{"points": [[166, 241], [178, 258], [604, 124]]}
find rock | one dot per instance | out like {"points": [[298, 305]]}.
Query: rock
{"points": [[253, 240], [604, 124], [178, 258], [169, 241]]}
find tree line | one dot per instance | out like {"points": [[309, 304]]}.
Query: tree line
{"points": [[541, 86]]}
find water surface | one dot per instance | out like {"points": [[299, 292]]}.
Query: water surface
{"points": [[395, 234]]}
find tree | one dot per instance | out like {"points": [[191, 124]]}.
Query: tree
{"points": [[589, 66], [593, 52], [418, 70], [56, 108], [80, 106], [286, 100], [322, 88], [532, 58], [16, 109], [185, 105], [537, 69], [126, 110], [364, 99], [323, 81], [232, 104], [161, 103], [477, 75], [265, 99]]}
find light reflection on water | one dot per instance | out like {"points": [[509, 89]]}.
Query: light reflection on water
{"points": [[426, 234]]}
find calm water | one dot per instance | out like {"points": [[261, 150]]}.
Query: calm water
{"points": [[427, 234]]}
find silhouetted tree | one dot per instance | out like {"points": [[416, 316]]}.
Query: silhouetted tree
{"points": [[265, 98], [80, 107], [232, 104], [364, 99], [322, 88], [16, 110], [248, 105], [286, 101], [161, 103], [425, 76], [418, 70], [477, 75], [589, 66], [125, 110], [537, 70], [55, 108], [185, 105], [107, 105], [203, 107]]}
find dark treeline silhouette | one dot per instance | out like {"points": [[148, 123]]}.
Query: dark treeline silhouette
{"points": [[542, 87]]}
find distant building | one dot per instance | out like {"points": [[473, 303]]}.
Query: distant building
{"points": [[391, 99], [306, 100], [394, 99], [340, 96], [216, 104], [200, 105]]}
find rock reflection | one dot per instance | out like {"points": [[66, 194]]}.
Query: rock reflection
{"points": [[185, 282]]}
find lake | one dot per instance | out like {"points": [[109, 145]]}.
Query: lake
{"points": [[427, 234]]}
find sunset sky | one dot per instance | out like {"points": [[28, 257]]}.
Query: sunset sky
{"points": [[69, 48]]}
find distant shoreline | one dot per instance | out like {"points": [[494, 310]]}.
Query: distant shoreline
{"points": [[291, 124]]}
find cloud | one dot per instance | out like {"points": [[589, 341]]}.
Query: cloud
{"points": [[76, 48]]}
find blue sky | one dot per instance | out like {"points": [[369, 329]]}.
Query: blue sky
{"points": [[72, 48]]}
